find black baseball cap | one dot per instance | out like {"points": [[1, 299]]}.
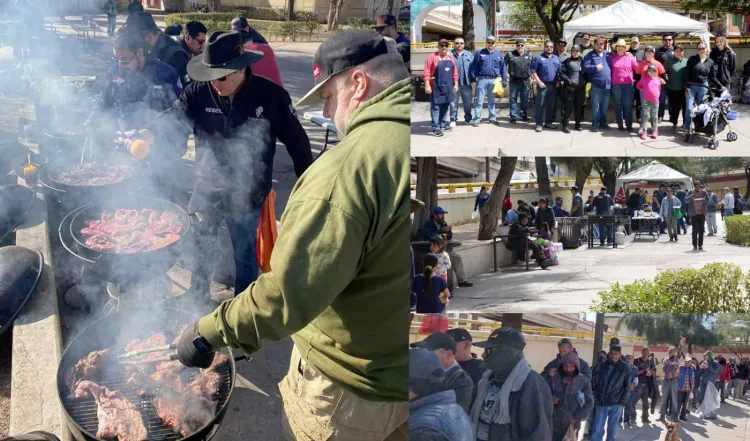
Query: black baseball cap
{"points": [[385, 21], [504, 337], [239, 23], [142, 21], [460, 334], [438, 340], [341, 52]]}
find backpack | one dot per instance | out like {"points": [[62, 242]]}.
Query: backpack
{"points": [[738, 205]]}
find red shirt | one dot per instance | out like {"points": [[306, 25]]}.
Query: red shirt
{"points": [[431, 64], [643, 67], [267, 66]]}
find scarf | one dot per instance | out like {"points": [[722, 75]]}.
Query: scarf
{"points": [[500, 411]]}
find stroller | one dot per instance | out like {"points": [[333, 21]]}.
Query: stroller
{"points": [[712, 117]]}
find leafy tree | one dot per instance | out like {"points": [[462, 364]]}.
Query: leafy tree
{"points": [[580, 166], [494, 205], [734, 331], [609, 168], [523, 17], [554, 14], [467, 15], [698, 329], [717, 7]]}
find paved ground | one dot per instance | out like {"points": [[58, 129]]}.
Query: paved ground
{"points": [[583, 272], [731, 425], [521, 140]]}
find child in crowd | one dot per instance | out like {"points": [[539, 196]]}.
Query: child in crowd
{"points": [[437, 247], [432, 296], [544, 232], [650, 87]]}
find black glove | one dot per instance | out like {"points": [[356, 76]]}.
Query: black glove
{"points": [[193, 350]]}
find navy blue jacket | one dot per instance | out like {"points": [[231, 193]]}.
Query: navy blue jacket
{"points": [[235, 142], [603, 78], [546, 68], [438, 417], [488, 64]]}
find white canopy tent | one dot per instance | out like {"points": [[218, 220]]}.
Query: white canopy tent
{"points": [[634, 17], [655, 172]]}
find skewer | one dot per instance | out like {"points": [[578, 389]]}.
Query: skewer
{"points": [[147, 351]]}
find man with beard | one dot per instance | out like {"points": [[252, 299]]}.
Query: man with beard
{"points": [[513, 402], [456, 379], [565, 346], [639, 55], [135, 90], [611, 387], [644, 389], [433, 412], [347, 218], [572, 397], [193, 38]]}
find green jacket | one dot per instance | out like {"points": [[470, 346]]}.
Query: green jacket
{"points": [[676, 73], [340, 278]]}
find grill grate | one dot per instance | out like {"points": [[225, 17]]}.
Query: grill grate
{"points": [[83, 410]]}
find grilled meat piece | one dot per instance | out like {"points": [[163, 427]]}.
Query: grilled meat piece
{"points": [[93, 174], [132, 231], [88, 367], [118, 417], [185, 413]]}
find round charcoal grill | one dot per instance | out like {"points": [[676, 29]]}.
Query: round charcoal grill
{"points": [[113, 332]]}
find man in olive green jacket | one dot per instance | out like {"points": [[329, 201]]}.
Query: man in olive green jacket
{"points": [[340, 270]]}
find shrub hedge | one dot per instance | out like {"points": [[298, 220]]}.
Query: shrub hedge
{"points": [[738, 230], [717, 287], [284, 30]]}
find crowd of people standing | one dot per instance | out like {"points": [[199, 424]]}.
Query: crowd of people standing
{"points": [[649, 81], [456, 396]]}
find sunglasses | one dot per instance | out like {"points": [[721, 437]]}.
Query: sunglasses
{"points": [[701, 48], [519, 45], [491, 42], [459, 42], [667, 39]]}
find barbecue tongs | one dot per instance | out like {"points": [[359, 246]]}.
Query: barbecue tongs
{"points": [[125, 358]]}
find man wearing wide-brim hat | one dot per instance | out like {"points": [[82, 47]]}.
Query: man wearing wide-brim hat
{"points": [[236, 117], [340, 264]]}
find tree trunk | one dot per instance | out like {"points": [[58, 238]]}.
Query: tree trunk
{"points": [[339, 6], [426, 191], [331, 15], [493, 206], [610, 181], [582, 172], [215, 5], [468, 24], [542, 177], [391, 4]]}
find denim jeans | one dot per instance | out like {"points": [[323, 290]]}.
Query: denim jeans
{"points": [[711, 221], [606, 231], [438, 112], [663, 101], [623, 94], [243, 228], [693, 99], [669, 398], [545, 101], [599, 104], [519, 89], [465, 91], [484, 87], [728, 212], [609, 415], [111, 22]]}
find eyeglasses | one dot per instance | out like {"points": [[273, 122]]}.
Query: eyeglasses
{"points": [[519, 45], [701, 48], [548, 47], [491, 43], [123, 60]]}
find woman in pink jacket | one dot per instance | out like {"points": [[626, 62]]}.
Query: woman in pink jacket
{"points": [[624, 65]]}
